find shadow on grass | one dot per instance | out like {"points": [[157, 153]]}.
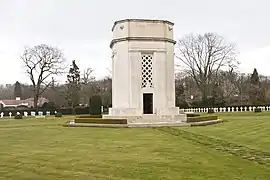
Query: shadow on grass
{"points": [[244, 152]]}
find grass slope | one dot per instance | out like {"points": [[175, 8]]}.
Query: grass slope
{"points": [[43, 149]]}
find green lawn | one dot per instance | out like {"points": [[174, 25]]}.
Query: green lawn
{"points": [[43, 149], [246, 128]]}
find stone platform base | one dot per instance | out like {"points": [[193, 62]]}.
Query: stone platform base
{"points": [[144, 125], [150, 119]]}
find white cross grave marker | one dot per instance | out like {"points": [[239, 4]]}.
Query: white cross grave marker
{"points": [[33, 113], [40, 113]]}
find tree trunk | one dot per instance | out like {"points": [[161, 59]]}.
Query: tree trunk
{"points": [[73, 108], [36, 103], [204, 102]]}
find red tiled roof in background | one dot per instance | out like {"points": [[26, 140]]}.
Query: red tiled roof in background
{"points": [[13, 102]]}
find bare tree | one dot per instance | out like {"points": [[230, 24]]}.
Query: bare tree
{"points": [[87, 77], [41, 62], [6, 91], [88, 87], [227, 85], [203, 56], [105, 91]]}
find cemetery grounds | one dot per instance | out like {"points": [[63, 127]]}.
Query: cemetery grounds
{"points": [[36, 148]]}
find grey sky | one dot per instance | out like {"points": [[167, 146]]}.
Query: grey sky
{"points": [[82, 28]]}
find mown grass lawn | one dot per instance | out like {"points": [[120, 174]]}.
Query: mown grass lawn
{"points": [[245, 128], [43, 149]]}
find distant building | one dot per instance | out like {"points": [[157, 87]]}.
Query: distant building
{"points": [[13, 103], [27, 102]]}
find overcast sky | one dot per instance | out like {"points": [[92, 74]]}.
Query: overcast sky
{"points": [[82, 28]]}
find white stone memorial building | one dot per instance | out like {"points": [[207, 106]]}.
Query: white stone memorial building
{"points": [[143, 78]]}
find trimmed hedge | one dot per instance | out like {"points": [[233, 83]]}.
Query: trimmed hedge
{"points": [[257, 110], [95, 103], [58, 114], [210, 111], [100, 121], [192, 115], [18, 116], [201, 118], [90, 116]]}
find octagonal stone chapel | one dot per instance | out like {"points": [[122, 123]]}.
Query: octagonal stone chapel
{"points": [[143, 86]]}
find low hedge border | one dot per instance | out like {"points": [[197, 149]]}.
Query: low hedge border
{"points": [[192, 115], [58, 114], [100, 121], [201, 118], [258, 110], [210, 111], [90, 116], [206, 123], [18, 116]]}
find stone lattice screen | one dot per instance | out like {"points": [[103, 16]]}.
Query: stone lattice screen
{"points": [[147, 70]]}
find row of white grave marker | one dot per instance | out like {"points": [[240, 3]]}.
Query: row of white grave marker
{"points": [[33, 113], [228, 109]]}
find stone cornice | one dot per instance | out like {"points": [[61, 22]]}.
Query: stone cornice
{"points": [[142, 20], [142, 39]]}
